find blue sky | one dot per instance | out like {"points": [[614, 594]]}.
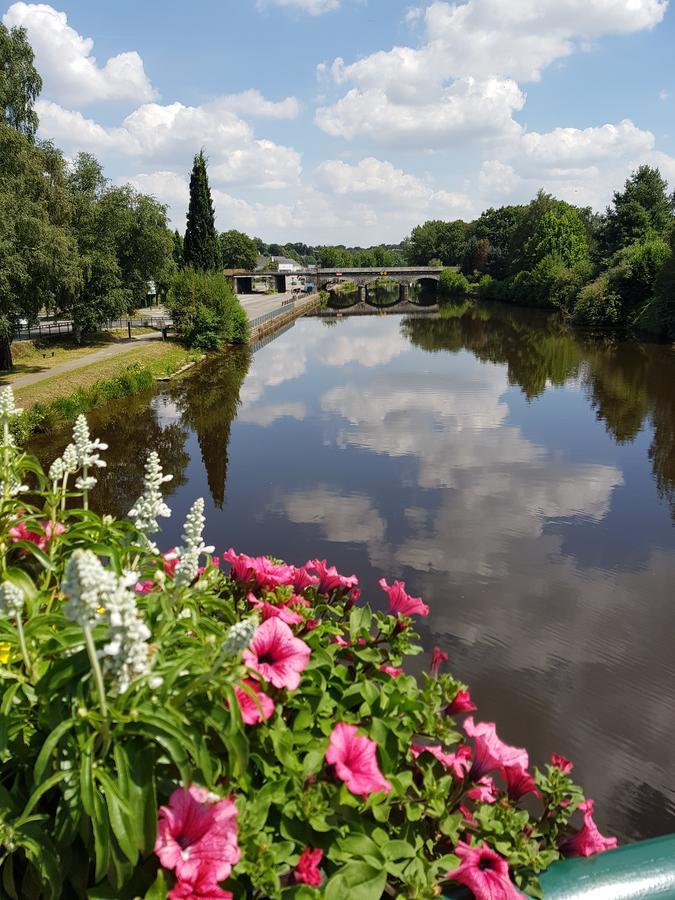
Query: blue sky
{"points": [[353, 120]]}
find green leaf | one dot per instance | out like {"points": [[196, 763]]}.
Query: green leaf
{"points": [[119, 815], [38, 792], [48, 748], [397, 850], [159, 889], [22, 580], [356, 881], [101, 828], [87, 777]]}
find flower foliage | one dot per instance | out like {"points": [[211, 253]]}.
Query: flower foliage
{"points": [[173, 728]]}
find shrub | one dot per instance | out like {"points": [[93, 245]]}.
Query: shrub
{"points": [[452, 283], [597, 304], [264, 711], [486, 286], [633, 273], [205, 310]]}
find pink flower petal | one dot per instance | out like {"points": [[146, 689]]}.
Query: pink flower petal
{"points": [[355, 759], [401, 603], [277, 655], [197, 836]]}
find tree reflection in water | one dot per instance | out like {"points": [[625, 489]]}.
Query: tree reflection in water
{"points": [[629, 384], [131, 428], [208, 402]]}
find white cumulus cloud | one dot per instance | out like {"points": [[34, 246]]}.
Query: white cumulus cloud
{"points": [[70, 72], [467, 108], [463, 78]]}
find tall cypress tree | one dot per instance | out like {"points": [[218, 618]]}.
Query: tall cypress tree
{"points": [[200, 249]]}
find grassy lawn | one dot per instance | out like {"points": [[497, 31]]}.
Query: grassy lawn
{"points": [[43, 353], [161, 357]]}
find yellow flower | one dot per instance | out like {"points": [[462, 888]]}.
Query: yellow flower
{"points": [[5, 652]]}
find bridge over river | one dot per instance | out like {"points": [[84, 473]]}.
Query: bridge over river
{"points": [[404, 276]]}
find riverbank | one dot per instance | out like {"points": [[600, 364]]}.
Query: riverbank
{"points": [[56, 401]]}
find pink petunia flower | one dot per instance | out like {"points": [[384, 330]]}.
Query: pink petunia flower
{"points": [[197, 836], [561, 763], [266, 574], [391, 670], [458, 763], [354, 597], [437, 660], [302, 579], [355, 759], [199, 890], [401, 603], [252, 712], [339, 640], [329, 577], [484, 872], [42, 539], [170, 560], [461, 704], [588, 840], [277, 655], [519, 782], [491, 752], [484, 791], [307, 870], [144, 587], [270, 611], [467, 814]]}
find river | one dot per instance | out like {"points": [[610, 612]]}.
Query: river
{"points": [[518, 475]]}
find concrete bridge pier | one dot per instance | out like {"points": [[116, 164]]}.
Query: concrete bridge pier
{"points": [[403, 292], [362, 293], [280, 284]]}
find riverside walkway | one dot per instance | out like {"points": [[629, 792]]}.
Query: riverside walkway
{"points": [[261, 310]]}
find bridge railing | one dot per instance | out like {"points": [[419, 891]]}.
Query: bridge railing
{"points": [[265, 317]]}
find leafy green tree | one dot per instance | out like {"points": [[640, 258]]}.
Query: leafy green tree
{"points": [[201, 243], [20, 83], [560, 233], [333, 257], [143, 243], [39, 263], [123, 241], [633, 274], [661, 316], [177, 251], [365, 259], [437, 239], [642, 209], [237, 250]]}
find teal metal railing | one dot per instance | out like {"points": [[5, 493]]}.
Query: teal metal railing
{"points": [[642, 871]]}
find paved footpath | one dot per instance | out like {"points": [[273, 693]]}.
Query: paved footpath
{"points": [[71, 364], [254, 305]]}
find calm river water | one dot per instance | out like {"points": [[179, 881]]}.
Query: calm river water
{"points": [[519, 476]]}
